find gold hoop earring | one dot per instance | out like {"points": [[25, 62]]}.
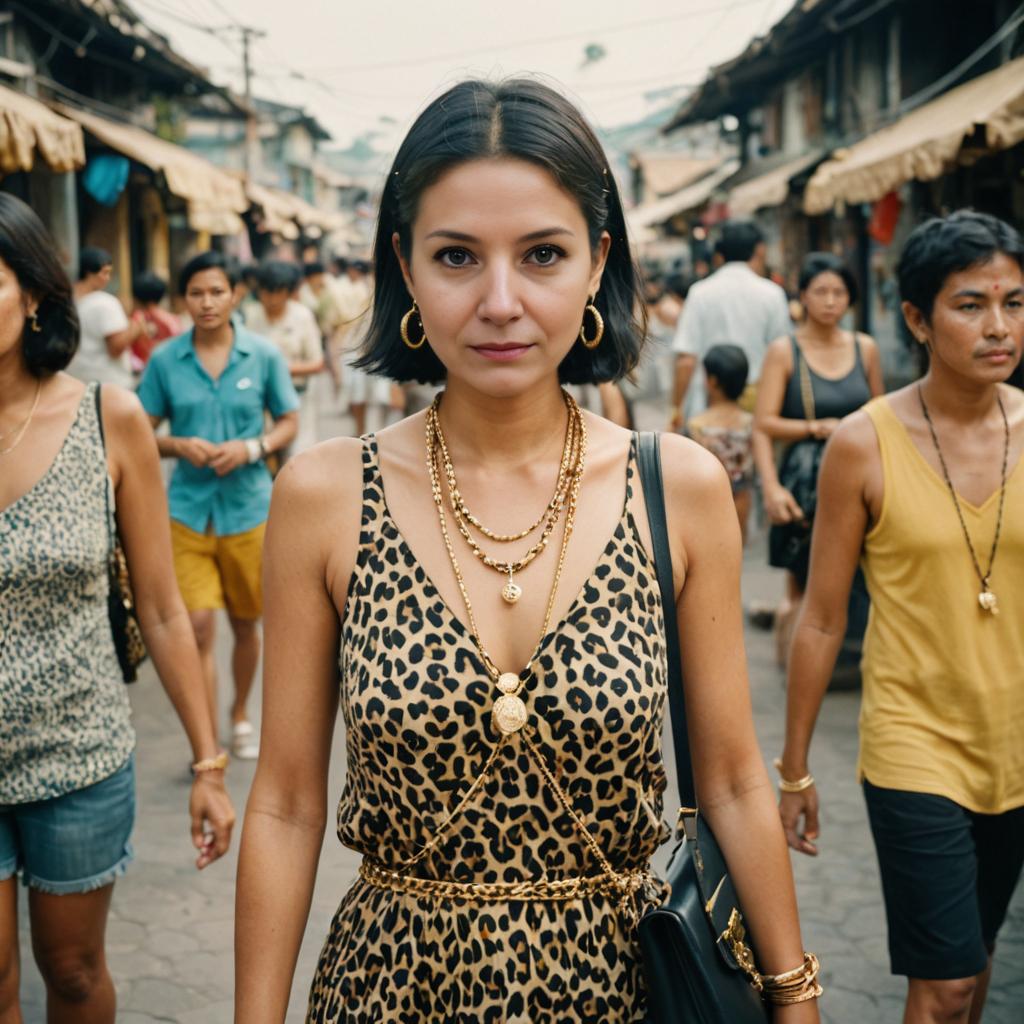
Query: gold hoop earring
{"points": [[405, 329], [34, 323], [593, 342]]}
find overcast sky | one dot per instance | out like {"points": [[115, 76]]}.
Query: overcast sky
{"points": [[370, 65]]}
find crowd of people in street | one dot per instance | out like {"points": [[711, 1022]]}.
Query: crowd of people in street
{"points": [[504, 686]]}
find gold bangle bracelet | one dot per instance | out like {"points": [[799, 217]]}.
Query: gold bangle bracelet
{"points": [[797, 786], [799, 985], [211, 764]]}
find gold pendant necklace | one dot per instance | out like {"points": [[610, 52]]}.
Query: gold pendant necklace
{"points": [[509, 713], [987, 600], [19, 433], [569, 471]]}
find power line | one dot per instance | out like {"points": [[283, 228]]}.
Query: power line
{"points": [[540, 40]]}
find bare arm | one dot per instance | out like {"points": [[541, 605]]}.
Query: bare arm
{"points": [[119, 341], [613, 404], [780, 505], [771, 392], [305, 578], [143, 525], [734, 790], [840, 526], [872, 360]]}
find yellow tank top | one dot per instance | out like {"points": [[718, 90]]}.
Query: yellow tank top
{"points": [[943, 703]]}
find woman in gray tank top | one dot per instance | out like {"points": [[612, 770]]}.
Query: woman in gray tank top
{"points": [[809, 382], [66, 739]]}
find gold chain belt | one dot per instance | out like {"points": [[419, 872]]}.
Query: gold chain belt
{"points": [[621, 887]]}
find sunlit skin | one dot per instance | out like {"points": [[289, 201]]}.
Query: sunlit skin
{"points": [[975, 337], [826, 298], [512, 289]]}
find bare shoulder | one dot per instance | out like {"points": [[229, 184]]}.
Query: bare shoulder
{"points": [[866, 342], [693, 477], [121, 409], [315, 514], [855, 441], [779, 352], [326, 476]]}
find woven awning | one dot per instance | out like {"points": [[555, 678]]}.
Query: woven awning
{"points": [[284, 211], [926, 143], [768, 189], [212, 194], [28, 126], [685, 199]]}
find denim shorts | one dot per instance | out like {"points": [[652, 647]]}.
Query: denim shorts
{"points": [[72, 843]]}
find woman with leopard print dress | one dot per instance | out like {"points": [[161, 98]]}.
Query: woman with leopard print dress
{"points": [[503, 685]]}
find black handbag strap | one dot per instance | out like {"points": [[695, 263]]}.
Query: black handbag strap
{"points": [[649, 460]]}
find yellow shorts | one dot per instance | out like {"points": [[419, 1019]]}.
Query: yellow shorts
{"points": [[220, 572]]}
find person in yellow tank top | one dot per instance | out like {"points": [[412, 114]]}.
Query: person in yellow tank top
{"points": [[924, 488]]}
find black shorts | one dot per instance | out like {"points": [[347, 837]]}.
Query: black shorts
{"points": [[948, 875]]}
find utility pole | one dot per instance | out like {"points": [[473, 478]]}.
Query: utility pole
{"points": [[251, 134]]}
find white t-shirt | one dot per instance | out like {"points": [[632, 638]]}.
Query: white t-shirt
{"points": [[296, 334], [100, 315], [734, 306]]}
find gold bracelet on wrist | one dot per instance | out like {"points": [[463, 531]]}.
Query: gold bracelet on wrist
{"points": [[797, 785], [211, 764], [799, 985]]}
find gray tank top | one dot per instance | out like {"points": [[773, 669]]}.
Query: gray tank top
{"points": [[832, 398], [64, 713]]}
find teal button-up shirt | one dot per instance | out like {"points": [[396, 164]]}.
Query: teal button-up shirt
{"points": [[176, 387]]}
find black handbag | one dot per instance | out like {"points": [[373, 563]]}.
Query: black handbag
{"points": [[124, 623], [697, 961], [789, 544]]}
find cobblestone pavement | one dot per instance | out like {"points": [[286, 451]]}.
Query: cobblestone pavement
{"points": [[170, 935]]}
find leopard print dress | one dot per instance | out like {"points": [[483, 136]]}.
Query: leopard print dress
{"points": [[416, 701]]}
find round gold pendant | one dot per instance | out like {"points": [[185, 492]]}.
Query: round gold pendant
{"points": [[988, 602], [511, 592], [508, 682], [509, 714]]}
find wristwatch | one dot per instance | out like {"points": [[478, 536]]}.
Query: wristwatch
{"points": [[264, 447]]}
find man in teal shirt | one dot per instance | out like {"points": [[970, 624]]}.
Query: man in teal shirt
{"points": [[216, 384]]}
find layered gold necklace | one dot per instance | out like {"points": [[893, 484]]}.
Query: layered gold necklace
{"points": [[509, 713], [19, 432], [569, 469]]}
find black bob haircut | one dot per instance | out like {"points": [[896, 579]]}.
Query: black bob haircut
{"points": [[816, 263], [278, 276], [148, 287], [729, 366], [210, 260], [312, 269], [946, 245], [28, 250], [92, 260], [525, 120], [738, 241]]}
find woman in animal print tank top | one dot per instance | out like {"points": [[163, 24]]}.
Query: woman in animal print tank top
{"points": [[474, 587]]}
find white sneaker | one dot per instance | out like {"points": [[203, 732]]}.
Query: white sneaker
{"points": [[245, 744]]}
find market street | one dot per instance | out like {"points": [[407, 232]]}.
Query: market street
{"points": [[171, 929]]}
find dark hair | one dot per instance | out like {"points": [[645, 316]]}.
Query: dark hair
{"points": [[26, 247], [312, 269], [738, 240], [340, 264], [816, 263], [91, 260], [728, 365], [149, 287], [277, 276], [209, 260], [946, 245], [524, 120], [678, 285]]}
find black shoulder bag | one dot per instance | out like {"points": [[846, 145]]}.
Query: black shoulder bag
{"points": [[124, 623], [698, 965]]}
